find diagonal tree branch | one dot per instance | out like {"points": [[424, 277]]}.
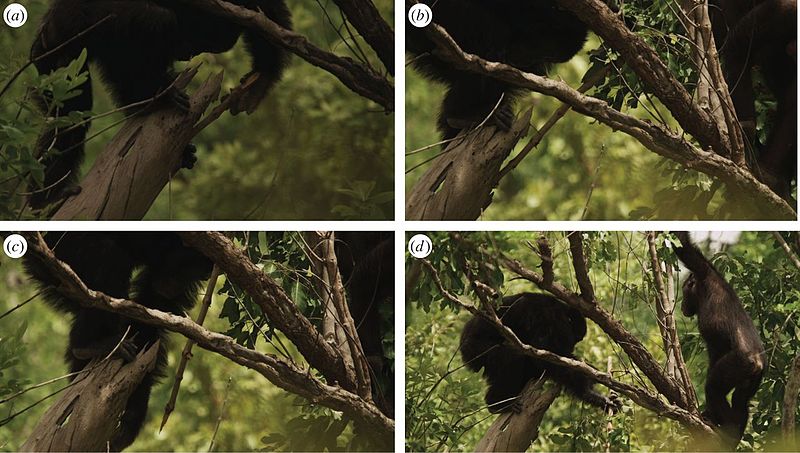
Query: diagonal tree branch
{"points": [[649, 67], [376, 32], [275, 303], [359, 78]]}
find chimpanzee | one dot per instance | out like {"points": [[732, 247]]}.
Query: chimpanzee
{"points": [[155, 269], [529, 35], [366, 265], [543, 322], [762, 33], [736, 358], [135, 44]]}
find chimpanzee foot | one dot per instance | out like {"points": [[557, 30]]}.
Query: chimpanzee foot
{"points": [[189, 156], [179, 99], [502, 119], [126, 351]]}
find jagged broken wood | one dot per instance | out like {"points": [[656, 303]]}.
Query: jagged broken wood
{"points": [[141, 159], [516, 432], [86, 415], [459, 183]]}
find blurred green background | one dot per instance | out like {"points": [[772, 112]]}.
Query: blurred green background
{"points": [[312, 150]]}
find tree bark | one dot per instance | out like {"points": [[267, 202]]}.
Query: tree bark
{"points": [[790, 395], [140, 160], [85, 417], [459, 183], [516, 432]]}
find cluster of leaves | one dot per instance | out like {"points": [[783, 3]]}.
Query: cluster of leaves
{"points": [[281, 256], [22, 121], [657, 23], [317, 429]]}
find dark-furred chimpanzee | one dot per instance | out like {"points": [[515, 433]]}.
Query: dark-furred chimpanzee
{"points": [[543, 322], [735, 354], [135, 46], [529, 35], [366, 265], [763, 34], [155, 269]]}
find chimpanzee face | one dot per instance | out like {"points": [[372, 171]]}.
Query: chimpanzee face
{"points": [[692, 295]]}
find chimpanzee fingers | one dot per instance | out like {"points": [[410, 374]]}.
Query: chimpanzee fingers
{"points": [[503, 117], [189, 157], [613, 403], [179, 99]]}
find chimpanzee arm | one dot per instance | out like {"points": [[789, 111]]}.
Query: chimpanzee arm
{"points": [[480, 344], [691, 257]]}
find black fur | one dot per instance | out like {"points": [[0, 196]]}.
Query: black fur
{"points": [[366, 265], [762, 33], [135, 48], [154, 269], [538, 320], [530, 35], [736, 358]]}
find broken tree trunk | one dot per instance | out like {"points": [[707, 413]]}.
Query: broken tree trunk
{"points": [[459, 183], [85, 418], [516, 432], [141, 159]]}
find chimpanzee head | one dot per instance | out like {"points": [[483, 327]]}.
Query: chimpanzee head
{"points": [[693, 293]]}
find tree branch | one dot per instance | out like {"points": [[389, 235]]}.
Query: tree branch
{"points": [[790, 396], [85, 417], [376, 32], [649, 67], [361, 79], [330, 287], [275, 303], [516, 431], [458, 184], [665, 308], [579, 264]]}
